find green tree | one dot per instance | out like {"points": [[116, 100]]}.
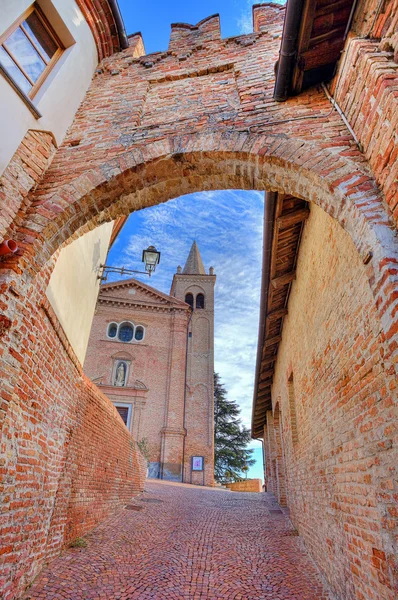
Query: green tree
{"points": [[231, 438]]}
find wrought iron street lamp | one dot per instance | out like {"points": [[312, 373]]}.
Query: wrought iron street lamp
{"points": [[150, 257]]}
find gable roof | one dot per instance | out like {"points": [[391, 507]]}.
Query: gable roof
{"points": [[112, 293]]}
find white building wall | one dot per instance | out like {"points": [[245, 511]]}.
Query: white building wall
{"points": [[61, 93], [73, 287]]}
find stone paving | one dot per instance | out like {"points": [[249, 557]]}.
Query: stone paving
{"points": [[187, 543]]}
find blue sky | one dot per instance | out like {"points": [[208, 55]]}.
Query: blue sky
{"points": [[154, 20], [227, 225]]}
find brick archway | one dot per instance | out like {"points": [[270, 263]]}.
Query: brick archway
{"points": [[178, 165], [154, 173], [122, 154]]}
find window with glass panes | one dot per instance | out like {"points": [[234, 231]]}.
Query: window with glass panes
{"points": [[29, 50]]}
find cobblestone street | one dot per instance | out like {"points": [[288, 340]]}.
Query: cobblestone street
{"points": [[177, 541]]}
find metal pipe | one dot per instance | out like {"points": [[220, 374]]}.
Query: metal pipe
{"points": [[350, 18], [8, 247], [264, 463], [269, 214], [288, 50], [342, 115], [121, 31]]}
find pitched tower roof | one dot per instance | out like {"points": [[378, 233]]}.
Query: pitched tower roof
{"points": [[194, 264]]}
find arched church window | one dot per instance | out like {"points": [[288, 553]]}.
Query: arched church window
{"points": [[200, 301], [189, 299], [139, 333], [112, 330], [126, 332]]}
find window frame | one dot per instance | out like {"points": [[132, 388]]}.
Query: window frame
{"points": [[196, 301], [193, 300], [119, 325], [107, 330], [125, 324], [143, 333], [34, 8], [130, 409]]}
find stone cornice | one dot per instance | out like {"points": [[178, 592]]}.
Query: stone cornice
{"points": [[134, 283], [123, 391], [167, 308]]}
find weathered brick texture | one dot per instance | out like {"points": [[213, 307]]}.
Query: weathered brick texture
{"points": [[367, 93], [248, 485], [67, 458], [24, 171], [217, 126], [157, 364], [335, 463], [102, 24]]}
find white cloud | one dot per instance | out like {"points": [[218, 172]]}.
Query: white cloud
{"points": [[227, 226]]}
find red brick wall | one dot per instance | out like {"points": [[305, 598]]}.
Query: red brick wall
{"points": [[67, 458], [249, 485], [158, 362], [112, 163], [367, 93], [102, 24], [339, 465], [218, 96], [22, 174]]}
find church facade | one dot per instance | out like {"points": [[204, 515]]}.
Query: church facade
{"points": [[152, 354]]}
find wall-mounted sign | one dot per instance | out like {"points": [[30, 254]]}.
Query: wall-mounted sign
{"points": [[198, 463]]}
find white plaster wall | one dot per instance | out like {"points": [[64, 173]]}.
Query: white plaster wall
{"points": [[64, 89], [73, 287]]}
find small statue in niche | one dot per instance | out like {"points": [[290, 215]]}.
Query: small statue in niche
{"points": [[120, 375]]}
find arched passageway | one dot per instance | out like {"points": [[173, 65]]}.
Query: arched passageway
{"points": [[57, 410], [53, 410], [64, 466]]}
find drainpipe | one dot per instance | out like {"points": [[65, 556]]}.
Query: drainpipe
{"points": [[264, 463], [269, 213], [343, 117], [8, 247], [121, 31], [288, 50]]}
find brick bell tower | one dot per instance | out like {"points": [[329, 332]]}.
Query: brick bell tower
{"points": [[194, 286]]}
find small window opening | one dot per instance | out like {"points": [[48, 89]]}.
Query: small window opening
{"points": [[112, 330], [189, 299], [200, 301], [123, 412], [139, 333], [29, 50]]}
